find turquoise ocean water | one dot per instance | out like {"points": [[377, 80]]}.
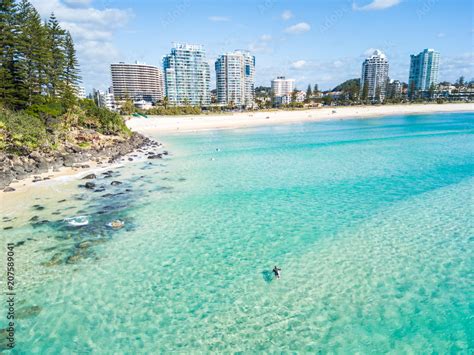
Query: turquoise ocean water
{"points": [[371, 222]]}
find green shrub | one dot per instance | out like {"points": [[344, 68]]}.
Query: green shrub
{"points": [[22, 133]]}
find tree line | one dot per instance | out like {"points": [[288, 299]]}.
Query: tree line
{"points": [[38, 60]]}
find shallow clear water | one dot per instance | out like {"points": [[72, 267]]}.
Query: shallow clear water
{"points": [[371, 222]]}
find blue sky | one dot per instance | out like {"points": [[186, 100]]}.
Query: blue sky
{"points": [[312, 41]]}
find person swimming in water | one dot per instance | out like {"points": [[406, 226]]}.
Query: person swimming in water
{"points": [[276, 271]]}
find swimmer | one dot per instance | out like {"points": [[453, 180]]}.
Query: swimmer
{"points": [[276, 271]]}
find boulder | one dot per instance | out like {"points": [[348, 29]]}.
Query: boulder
{"points": [[89, 185], [89, 177]]}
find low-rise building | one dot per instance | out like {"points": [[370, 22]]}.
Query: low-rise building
{"points": [[394, 89], [282, 90], [300, 96]]}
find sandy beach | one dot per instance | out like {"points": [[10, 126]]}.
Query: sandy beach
{"points": [[176, 124]]}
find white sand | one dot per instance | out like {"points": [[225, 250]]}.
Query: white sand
{"points": [[176, 124]]}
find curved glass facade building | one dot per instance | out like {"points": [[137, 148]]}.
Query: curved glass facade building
{"points": [[187, 75]]}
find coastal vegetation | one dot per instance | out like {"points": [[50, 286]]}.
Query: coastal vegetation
{"points": [[39, 78]]}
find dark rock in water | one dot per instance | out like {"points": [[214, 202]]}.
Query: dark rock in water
{"points": [[27, 312], [85, 166], [61, 201], [39, 223], [38, 207], [128, 190], [89, 243], [130, 159], [155, 156], [89, 177], [181, 179], [85, 244], [3, 339], [8, 189], [56, 259], [73, 259], [20, 243], [100, 189], [115, 183], [165, 152], [89, 185], [7, 228], [34, 219], [107, 195], [79, 253]]}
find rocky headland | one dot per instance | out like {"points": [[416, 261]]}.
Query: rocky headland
{"points": [[86, 146]]}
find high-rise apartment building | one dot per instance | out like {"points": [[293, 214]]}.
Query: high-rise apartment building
{"points": [[423, 71], [374, 77], [187, 75], [235, 75], [137, 82]]}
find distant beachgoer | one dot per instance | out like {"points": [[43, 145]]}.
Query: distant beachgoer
{"points": [[276, 271]]}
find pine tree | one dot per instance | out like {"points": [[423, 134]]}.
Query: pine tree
{"points": [[71, 70], [365, 91], [316, 89], [56, 39], [8, 55], [432, 90], [32, 47], [71, 76], [309, 93]]}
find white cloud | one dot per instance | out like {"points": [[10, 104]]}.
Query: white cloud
{"points": [[77, 3], [218, 18], [93, 32], [368, 52], [299, 64], [338, 64], [441, 35], [376, 5], [286, 15], [298, 28], [451, 68], [260, 47], [265, 38]]}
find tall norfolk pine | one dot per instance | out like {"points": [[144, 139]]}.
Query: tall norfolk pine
{"points": [[8, 42], [37, 61]]}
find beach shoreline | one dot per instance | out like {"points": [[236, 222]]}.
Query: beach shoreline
{"points": [[193, 123], [149, 149]]}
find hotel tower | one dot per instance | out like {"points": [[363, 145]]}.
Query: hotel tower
{"points": [[374, 76], [423, 71], [235, 73], [137, 82], [187, 75]]}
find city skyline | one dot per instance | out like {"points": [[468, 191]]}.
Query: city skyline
{"points": [[313, 42]]}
